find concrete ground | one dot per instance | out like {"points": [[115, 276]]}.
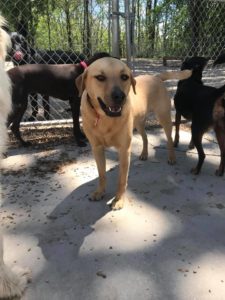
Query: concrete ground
{"points": [[167, 243]]}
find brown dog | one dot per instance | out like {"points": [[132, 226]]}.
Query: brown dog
{"points": [[107, 118], [152, 96]]}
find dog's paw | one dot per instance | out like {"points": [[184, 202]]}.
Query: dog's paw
{"points": [[219, 172], [97, 196], [171, 160], [143, 156], [13, 281], [117, 204], [195, 171]]}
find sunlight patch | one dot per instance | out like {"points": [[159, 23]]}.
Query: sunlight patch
{"points": [[130, 230]]}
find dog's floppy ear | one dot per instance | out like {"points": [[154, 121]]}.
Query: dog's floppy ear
{"points": [[80, 82], [133, 83]]}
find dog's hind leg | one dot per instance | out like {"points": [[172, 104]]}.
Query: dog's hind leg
{"points": [[15, 120], [165, 121], [177, 128], [99, 154], [197, 140], [79, 136], [140, 126], [220, 135]]}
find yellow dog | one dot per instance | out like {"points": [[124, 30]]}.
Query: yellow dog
{"points": [[107, 118]]}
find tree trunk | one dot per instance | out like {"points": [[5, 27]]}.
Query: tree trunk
{"points": [[151, 24], [86, 31], [48, 23], [68, 24]]}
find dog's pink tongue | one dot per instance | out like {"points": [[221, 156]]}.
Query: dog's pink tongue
{"points": [[18, 55]]}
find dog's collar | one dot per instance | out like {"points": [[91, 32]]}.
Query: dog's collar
{"points": [[96, 113], [83, 64]]}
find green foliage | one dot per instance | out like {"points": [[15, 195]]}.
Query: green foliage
{"points": [[162, 27]]}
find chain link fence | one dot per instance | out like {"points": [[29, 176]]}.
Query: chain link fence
{"points": [[162, 33], [169, 31], [55, 32]]}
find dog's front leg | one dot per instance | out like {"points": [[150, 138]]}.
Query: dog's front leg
{"points": [[99, 154], [197, 140], [124, 160]]}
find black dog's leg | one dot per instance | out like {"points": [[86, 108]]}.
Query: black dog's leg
{"points": [[177, 128], [191, 144], [46, 106], [79, 136], [197, 140], [220, 135], [15, 120], [34, 105]]}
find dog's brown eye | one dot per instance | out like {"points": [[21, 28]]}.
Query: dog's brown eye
{"points": [[100, 77], [124, 77]]}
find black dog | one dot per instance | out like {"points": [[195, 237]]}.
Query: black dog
{"points": [[199, 103], [22, 53], [53, 80]]}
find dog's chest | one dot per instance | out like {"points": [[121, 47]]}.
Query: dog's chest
{"points": [[109, 132]]}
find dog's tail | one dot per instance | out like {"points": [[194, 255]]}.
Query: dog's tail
{"points": [[5, 42], [179, 75]]}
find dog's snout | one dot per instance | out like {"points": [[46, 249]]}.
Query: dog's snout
{"points": [[118, 95]]}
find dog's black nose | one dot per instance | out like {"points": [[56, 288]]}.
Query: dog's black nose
{"points": [[117, 95]]}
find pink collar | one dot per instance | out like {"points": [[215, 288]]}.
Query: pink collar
{"points": [[83, 64]]}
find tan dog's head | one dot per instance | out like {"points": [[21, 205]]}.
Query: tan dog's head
{"points": [[107, 82]]}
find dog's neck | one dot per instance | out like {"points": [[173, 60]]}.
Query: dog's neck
{"points": [[197, 75]]}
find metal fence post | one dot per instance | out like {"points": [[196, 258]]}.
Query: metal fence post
{"points": [[128, 31], [129, 24], [115, 29]]}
